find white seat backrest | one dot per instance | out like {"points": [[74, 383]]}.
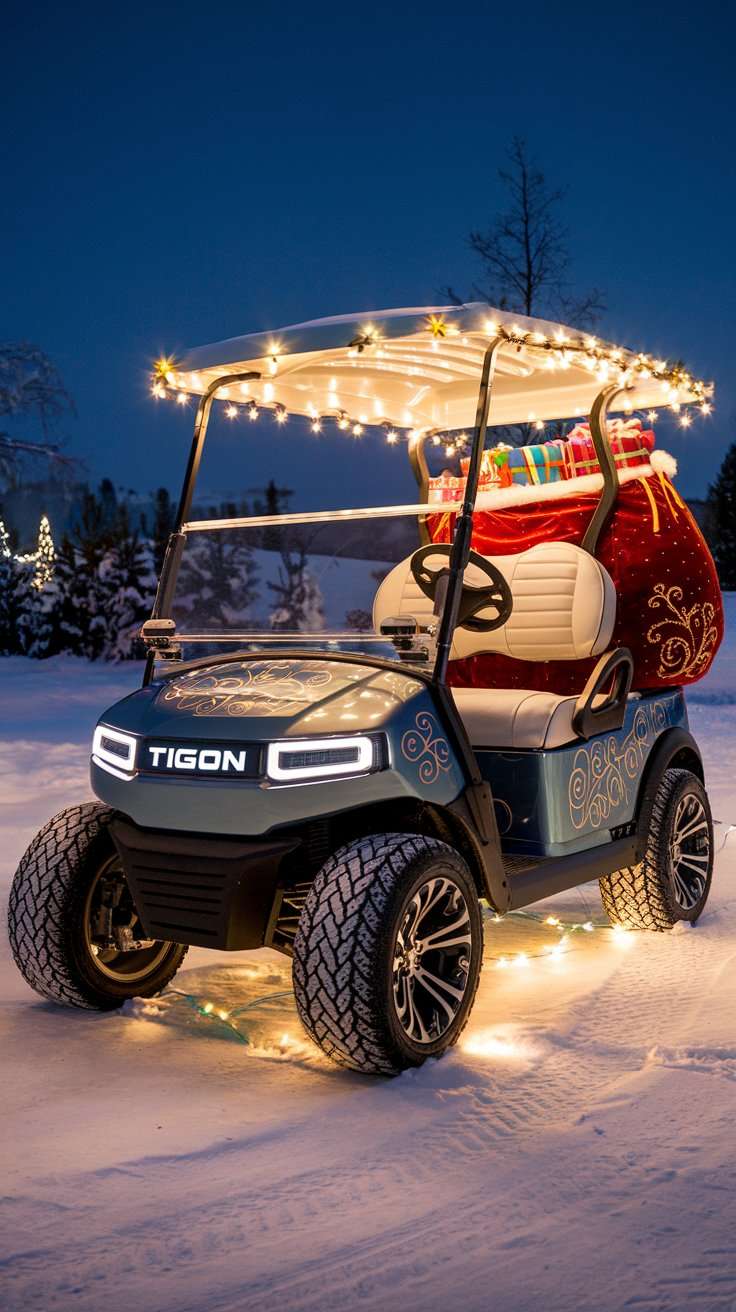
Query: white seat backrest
{"points": [[564, 604]]}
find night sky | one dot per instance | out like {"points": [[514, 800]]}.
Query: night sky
{"points": [[178, 174]]}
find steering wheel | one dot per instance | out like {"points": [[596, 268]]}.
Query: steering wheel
{"points": [[473, 599]]}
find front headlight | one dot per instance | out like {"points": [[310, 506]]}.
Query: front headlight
{"points": [[114, 751], [321, 758]]}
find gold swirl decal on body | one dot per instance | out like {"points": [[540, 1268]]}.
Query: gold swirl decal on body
{"points": [[602, 772], [263, 688], [425, 746], [687, 637]]}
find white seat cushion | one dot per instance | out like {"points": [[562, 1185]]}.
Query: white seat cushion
{"points": [[515, 717], [564, 604]]}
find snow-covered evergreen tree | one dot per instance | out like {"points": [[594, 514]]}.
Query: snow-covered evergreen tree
{"points": [[128, 581], [9, 641], [35, 610], [217, 586], [721, 524], [299, 602]]}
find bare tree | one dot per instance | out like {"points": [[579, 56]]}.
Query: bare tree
{"points": [[30, 386], [525, 253]]}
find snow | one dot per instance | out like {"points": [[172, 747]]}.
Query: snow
{"points": [[576, 1151]]}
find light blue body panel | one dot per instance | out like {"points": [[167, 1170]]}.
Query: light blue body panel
{"points": [[261, 701], [550, 803]]}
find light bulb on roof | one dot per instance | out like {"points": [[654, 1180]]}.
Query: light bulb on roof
{"points": [[230, 411], [316, 426], [706, 408], [281, 415], [392, 437], [253, 412], [181, 398], [652, 416], [357, 429], [342, 422], [685, 421]]}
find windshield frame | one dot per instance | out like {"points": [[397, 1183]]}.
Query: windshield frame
{"points": [[460, 546]]}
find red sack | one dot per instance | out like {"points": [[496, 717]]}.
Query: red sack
{"points": [[670, 610]]}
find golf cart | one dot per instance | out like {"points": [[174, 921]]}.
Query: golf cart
{"points": [[337, 794]]}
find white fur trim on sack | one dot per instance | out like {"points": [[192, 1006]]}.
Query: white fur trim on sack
{"points": [[521, 493]]}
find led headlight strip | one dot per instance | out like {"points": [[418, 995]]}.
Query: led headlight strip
{"points": [[318, 758], [114, 751]]}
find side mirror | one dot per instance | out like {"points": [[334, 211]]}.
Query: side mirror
{"points": [[400, 626]]}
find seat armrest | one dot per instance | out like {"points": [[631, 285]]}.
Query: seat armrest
{"points": [[601, 705]]}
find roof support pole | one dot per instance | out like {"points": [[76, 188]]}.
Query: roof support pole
{"points": [[420, 470], [602, 446], [175, 545], [464, 523]]}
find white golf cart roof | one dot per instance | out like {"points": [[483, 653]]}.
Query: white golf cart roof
{"points": [[420, 369]]}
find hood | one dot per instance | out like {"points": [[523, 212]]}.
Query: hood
{"points": [[267, 698]]}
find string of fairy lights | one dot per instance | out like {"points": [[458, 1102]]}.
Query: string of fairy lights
{"points": [[559, 351], [231, 1018]]}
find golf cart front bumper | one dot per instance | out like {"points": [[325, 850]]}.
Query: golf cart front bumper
{"points": [[201, 890]]}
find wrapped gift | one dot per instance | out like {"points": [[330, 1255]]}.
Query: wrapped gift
{"points": [[536, 464], [492, 467], [446, 487], [630, 443]]}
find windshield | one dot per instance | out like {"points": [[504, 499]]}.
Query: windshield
{"points": [[306, 579]]}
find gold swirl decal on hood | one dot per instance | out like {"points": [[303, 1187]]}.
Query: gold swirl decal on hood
{"points": [[261, 688]]}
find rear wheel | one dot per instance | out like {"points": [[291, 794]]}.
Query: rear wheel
{"points": [[388, 952], [673, 880], [73, 926]]}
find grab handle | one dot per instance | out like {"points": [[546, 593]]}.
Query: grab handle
{"points": [[598, 710]]}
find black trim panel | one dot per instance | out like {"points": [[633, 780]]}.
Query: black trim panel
{"points": [[206, 891]]}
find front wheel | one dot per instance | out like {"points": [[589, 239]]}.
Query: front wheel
{"points": [[73, 927], [672, 881], [388, 952]]}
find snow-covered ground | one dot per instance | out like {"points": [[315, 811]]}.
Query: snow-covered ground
{"points": [[576, 1151]]}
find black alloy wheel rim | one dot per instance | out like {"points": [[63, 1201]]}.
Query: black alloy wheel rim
{"points": [[129, 965], [431, 960], [689, 851]]}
